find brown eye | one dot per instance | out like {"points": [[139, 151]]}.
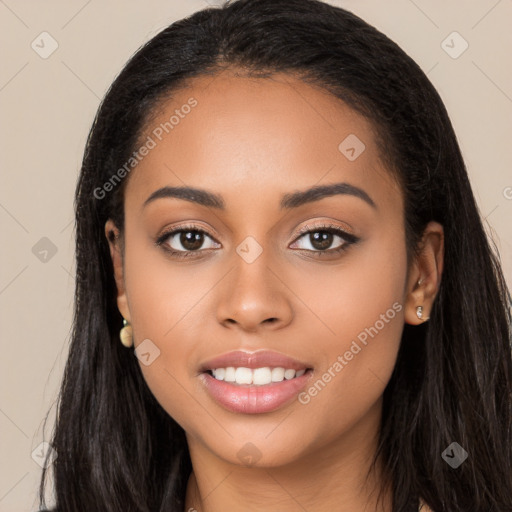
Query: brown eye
{"points": [[320, 239], [184, 240], [191, 240]]}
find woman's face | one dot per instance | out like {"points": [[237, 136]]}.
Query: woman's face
{"points": [[253, 283]]}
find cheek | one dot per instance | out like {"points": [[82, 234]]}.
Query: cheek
{"points": [[165, 295], [163, 302], [362, 313], [346, 298]]}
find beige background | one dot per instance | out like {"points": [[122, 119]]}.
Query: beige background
{"points": [[47, 108]]}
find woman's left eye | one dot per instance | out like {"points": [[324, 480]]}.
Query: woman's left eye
{"points": [[192, 238], [321, 238]]}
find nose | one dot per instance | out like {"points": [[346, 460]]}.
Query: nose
{"points": [[255, 296]]}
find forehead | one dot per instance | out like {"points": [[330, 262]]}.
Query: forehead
{"points": [[252, 136]]}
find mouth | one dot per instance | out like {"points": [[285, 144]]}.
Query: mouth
{"points": [[254, 383], [253, 391], [243, 376]]}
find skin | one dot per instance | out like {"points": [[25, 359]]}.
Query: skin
{"points": [[252, 141]]}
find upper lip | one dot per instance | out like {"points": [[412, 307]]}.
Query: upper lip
{"points": [[259, 359]]}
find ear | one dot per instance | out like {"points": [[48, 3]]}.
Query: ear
{"points": [[112, 234], [425, 274]]}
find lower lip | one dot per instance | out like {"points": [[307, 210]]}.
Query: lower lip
{"points": [[254, 399]]}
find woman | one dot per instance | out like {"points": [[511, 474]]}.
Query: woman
{"points": [[274, 216]]}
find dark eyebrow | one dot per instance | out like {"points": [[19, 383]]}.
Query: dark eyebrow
{"points": [[319, 192], [293, 200], [194, 195]]}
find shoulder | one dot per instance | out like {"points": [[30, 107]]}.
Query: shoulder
{"points": [[424, 507]]}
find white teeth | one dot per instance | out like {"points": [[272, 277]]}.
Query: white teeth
{"points": [[261, 376], [277, 374], [256, 376], [219, 373], [229, 376], [289, 374], [243, 375]]}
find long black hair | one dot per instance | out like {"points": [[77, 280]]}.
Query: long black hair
{"points": [[117, 449]]}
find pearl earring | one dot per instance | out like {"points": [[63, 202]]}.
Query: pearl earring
{"points": [[419, 314], [126, 334]]}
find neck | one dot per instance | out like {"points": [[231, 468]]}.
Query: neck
{"points": [[333, 476]]}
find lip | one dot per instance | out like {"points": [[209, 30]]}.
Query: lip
{"points": [[252, 360], [254, 399], [251, 399]]}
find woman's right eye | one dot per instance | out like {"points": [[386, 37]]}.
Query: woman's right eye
{"points": [[184, 241]]}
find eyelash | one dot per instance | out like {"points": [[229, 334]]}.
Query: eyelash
{"points": [[348, 238]]}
